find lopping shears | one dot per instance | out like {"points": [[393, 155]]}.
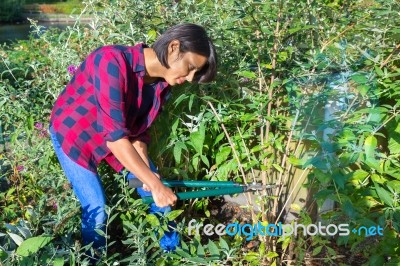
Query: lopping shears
{"points": [[220, 188]]}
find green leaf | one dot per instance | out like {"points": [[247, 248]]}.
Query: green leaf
{"points": [[394, 137], [185, 246], [222, 155], [286, 242], [112, 218], [359, 78], [200, 251], [394, 184], [317, 250], [29, 123], [246, 74], [219, 138], [384, 195], [223, 244], [251, 256], [348, 209], [189, 257], [32, 245], [363, 89], [173, 214], [359, 175], [3, 255], [59, 261], [178, 147], [378, 179], [395, 174], [17, 239], [394, 145], [296, 161], [272, 254], [153, 220], [197, 138], [72, 258], [214, 250], [204, 159], [195, 162], [370, 146], [306, 27], [175, 126], [322, 177], [261, 249], [151, 35], [100, 232], [278, 167], [278, 144], [180, 99], [379, 71], [191, 100], [339, 179], [331, 251]]}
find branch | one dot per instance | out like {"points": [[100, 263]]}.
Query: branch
{"points": [[390, 55]]}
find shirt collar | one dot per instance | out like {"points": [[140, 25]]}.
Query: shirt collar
{"points": [[138, 64], [138, 59]]}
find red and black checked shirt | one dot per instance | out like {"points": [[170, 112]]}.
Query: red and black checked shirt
{"points": [[105, 101]]}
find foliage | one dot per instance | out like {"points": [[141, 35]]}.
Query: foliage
{"points": [[307, 87], [10, 10]]}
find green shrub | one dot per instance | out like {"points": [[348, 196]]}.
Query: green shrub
{"points": [[281, 63]]}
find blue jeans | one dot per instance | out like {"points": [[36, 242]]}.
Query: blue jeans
{"points": [[90, 193]]}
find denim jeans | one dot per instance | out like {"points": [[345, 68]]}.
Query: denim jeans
{"points": [[88, 189]]}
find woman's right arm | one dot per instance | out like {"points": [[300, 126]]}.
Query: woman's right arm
{"points": [[130, 158]]}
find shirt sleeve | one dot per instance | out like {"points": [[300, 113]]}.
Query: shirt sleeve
{"points": [[144, 137], [109, 79]]}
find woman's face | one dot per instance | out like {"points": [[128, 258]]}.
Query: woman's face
{"points": [[182, 66]]}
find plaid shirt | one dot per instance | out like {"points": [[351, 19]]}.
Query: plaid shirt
{"points": [[103, 102]]}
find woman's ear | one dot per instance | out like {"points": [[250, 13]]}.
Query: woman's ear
{"points": [[174, 47]]}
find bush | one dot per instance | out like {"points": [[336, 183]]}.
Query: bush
{"points": [[305, 89]]}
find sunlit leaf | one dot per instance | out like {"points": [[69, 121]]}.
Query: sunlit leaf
{"points": [[173, 214], [17, 239], [59, 261], [33, 244], [384, 195], [246, 74], [272, 254], [222, 155], [153, 220]]}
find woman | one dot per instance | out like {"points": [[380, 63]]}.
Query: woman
{"points": [[106, 109]]}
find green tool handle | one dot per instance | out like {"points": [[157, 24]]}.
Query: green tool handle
{"points": [[201, 193], [135, 183]]}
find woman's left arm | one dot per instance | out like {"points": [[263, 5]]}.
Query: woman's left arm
{"points": [[141, 148]]}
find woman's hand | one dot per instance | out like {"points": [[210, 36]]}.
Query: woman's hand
{"points": [[163, 196], [126, 153]]}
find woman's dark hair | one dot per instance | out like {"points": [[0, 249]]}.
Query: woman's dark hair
{"points": [[193, 38]]}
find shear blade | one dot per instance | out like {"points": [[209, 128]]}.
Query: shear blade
{"points": [[258, 187]]}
